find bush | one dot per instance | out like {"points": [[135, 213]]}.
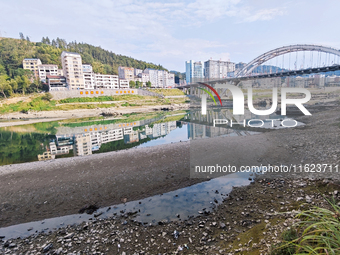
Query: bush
{"points": [[47, 97]]}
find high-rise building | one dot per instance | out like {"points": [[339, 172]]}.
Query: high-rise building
{"points": [[217, 69], [73, 69], [160, 78], [32, 64], [194, 71], [126, 73]]}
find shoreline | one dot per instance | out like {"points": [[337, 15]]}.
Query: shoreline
{"points": [[45, 116]]}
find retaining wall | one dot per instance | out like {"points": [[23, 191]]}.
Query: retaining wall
{"points": [[58, 95]]}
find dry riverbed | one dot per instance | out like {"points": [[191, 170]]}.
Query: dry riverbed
{"points": [[246, 222]]}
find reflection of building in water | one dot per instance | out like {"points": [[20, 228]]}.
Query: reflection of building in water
{"points": [[83, 140], [161, 129], [59, 150], [45, 156], [82, 145], [131, 137], [196, 131]]}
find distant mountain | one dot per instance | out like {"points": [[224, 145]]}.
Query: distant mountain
{"points": [[13, 51]]}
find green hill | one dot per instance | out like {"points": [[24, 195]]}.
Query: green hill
{"points": [[13, 51], [14, 79]]}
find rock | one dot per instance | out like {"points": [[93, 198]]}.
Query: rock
{"points": [[12, 245], [176, 234], [47, 247], [222, 225], [89, 209], [308, 199]]}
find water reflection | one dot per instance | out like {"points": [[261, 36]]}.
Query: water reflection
{"points": [[50, 140]]}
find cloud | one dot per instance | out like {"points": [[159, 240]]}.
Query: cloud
{"points": [[265, 14]]}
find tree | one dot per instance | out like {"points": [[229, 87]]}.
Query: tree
{"points": [[27, 39], [98, 67], [132, 84], [138, 84], [5, 88], [148, 84], [22, 37]]}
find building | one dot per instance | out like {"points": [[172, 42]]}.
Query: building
{"points": [[218, 69], [44, 70], [87, 68], [160, 78], [194, 71], [60, 72], [126, 73], [73, 69], [145, 77], [123, 84], [89, 80], [56, 82], [171, 80], [32, 64], [106, 81], [137, 71]]}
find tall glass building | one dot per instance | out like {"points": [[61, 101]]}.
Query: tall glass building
{"points": [[194, 71]]}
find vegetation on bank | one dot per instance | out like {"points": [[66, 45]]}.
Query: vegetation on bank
{"points": [[168, 92], [317, 232], [101, 99], [43, 102]]}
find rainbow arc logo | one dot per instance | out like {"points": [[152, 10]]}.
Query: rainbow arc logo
{"points": [[209, 93]]}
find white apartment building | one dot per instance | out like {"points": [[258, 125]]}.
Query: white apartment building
{"points": [[89, 80], [101, 81], [171, 80], [218, 69], [87, 68], [160, 78], [106, 81], [32, 64], [137, 71], [73, 70], [145, 77], [45, 70], [123, 84]]}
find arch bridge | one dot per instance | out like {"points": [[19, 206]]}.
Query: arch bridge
{"points": [[265, 57]]}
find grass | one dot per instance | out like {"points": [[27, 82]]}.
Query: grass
{"points": [[100, 99], [168, 92], [43, 102], [37, 104], [318, 232]]}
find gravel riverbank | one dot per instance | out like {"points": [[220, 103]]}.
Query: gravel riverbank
{"points": [[247, 222]]}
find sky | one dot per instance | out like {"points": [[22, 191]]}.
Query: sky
{"points": [[171, 32]]}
